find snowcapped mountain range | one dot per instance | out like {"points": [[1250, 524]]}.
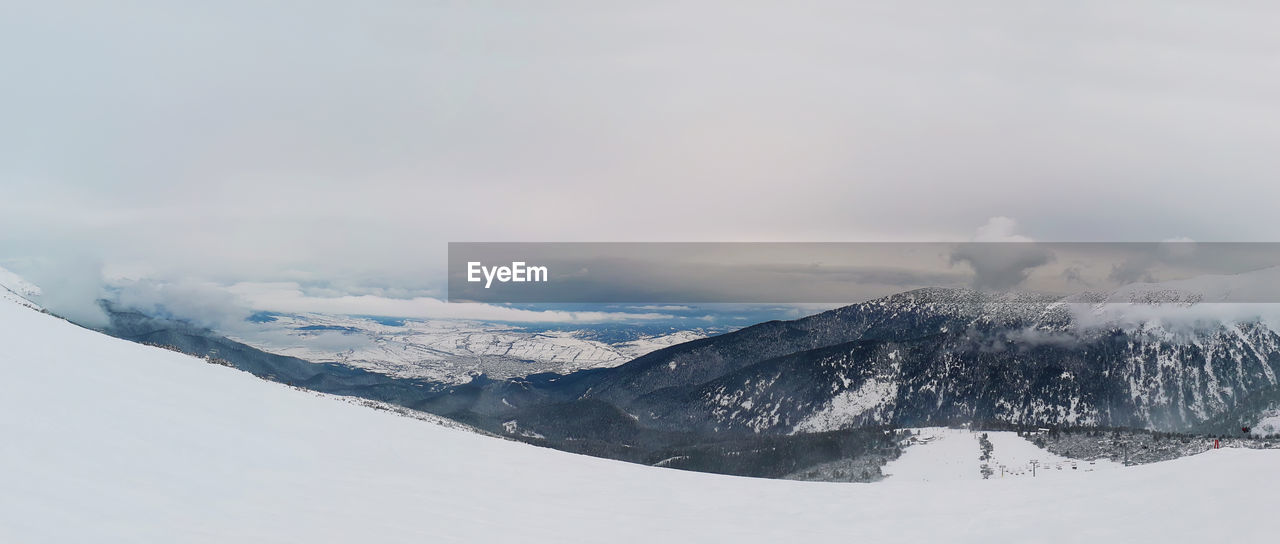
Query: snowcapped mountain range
{"points": [[452, 351], [1163, 359]]}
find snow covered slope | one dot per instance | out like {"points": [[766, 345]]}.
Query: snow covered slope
{"points": [[109, 441], [14, 283], [14, 289], [941, 454]]}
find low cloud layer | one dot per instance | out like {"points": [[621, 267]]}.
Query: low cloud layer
{"points": [[999, 267], [289, 297], [341, 148]]}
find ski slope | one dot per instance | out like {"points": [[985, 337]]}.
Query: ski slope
{"points": [[109, 441], [942, 454]]}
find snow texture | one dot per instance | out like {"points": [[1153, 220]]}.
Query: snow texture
{"points": [[1268, 424], [941, 454], [847, 407]]}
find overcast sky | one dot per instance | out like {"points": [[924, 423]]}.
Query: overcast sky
{"points": [[343, 144]]}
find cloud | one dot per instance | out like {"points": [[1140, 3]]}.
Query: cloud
{"points": [[662, 307], [1134, 269], [226, 308], [1141, 263], [999, 229], [1181, 245], [1176, 317], [1000, 258], [1074, 275], [70, 285], [900, 277], [202, 303], [290, 298], [145, 139]]}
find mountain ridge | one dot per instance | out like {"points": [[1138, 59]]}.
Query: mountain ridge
{"points": [[936, 356]]}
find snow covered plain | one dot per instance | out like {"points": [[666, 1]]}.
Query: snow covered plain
{"points": [[447, 351], [109, 441]]}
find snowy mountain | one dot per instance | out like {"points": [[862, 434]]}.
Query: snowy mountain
{"points": [[1168, 361], [450, 351], [18, 285], [15, 289], [111, 441], [1258, 286]]}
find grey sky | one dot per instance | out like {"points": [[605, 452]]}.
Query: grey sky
{"points": [[345, 143]]}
